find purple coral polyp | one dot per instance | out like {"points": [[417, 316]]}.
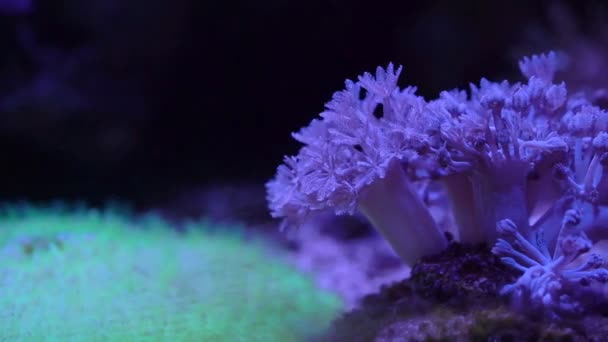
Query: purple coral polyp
{"points": [[516, 160]]}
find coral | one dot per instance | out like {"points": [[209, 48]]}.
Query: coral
{"points": [[558, 284], [513, 158], [88, 275], [350, 150]]}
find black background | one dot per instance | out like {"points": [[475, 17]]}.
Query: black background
{"points": [[225, 82]]}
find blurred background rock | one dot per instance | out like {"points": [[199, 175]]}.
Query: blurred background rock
{"points": [[153, 101]]}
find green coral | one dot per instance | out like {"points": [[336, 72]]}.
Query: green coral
{"points": [[89, 275]]}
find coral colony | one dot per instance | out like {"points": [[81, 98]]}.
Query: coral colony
{"points": [[521, 163], [70, 274]]}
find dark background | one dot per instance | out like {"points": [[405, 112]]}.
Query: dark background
{"points": [[141, 100]]}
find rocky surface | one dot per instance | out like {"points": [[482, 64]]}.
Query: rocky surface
{"points": [[454, 296]]}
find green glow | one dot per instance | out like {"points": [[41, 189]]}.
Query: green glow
{"points": [[96, 276]]}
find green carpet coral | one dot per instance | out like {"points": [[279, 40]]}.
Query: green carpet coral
{"points": [[91, 275]]}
